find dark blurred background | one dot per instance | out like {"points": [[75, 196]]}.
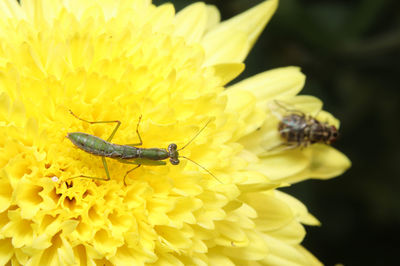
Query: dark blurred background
{"points": [[350, 53]]}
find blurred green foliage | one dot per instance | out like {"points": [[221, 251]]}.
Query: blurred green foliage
{"points": [[350, 52]]}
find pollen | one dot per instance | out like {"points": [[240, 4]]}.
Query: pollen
{"points": [[122, 60]]}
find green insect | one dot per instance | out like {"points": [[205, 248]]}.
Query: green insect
{"points": [[127, 154]]}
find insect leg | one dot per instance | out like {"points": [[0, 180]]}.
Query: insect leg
{"points": [[137, 132], [130, 171], [103, 159], [278, 103], [88, 177], [92, 177], [129, 162], [284, 130], [284, 146], [305, 144], [99, 122]]}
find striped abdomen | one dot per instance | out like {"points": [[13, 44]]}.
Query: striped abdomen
{"points": [[305, 130], [100, 147]]}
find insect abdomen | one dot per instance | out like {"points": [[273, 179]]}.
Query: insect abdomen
{"points": [[98, 146], [320, 132]]}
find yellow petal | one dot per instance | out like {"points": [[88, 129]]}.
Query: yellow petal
{"points": [[42, 242], [325, 117], [273, 84], [256, 250], [33, 10], [249, 24], [310, 257], [10, 8], [292, 233], [5, 106], [253, 21], [65, 253], [327, 162], [167, 260], [299, 209], [294, 160], [162, 16], [19, 229], [213, 17], [227, 72], [309, 105], [242, 104], [183, 211], [228, 47], [216, 258], [256, 187], [5, 193], [106, 243], [286, 254], [6, 250], [28, 198], [191, 22], [173, 238], [272, 212], [231, 230]]}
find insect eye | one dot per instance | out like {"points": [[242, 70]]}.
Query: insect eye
{"points": [[174, 161], [334, 131], [172, 147]]}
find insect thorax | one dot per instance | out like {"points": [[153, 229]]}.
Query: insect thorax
{"points": [[154, 154], [292, 127]]}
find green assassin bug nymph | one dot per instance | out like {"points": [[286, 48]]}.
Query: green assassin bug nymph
{"points": [[127, 154]]}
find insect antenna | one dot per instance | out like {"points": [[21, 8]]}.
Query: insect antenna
{"points": [[202, 167], [187, 144], [195, 136]]}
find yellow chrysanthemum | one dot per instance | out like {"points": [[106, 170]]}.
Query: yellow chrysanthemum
{"points": [[109, 60]]}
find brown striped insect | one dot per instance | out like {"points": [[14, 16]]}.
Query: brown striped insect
{"points": [[300, 130]]}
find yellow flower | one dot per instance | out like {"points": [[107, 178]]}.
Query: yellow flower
{"points": [[108, 60]]}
